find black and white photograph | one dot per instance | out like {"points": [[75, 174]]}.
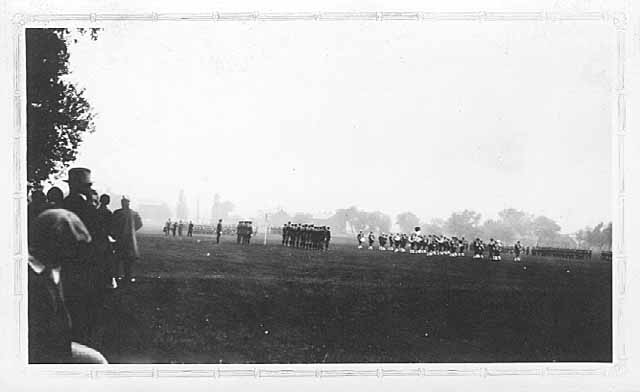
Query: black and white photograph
{"points": [[338, 188]]}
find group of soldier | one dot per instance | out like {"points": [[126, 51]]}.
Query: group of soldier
{"points": [[432, 244], [306, 236], [244, 232], [78, 243], [171, 228]]}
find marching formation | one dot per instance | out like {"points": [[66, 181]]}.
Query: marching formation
{"points": [[432, 244], [306, 236]]}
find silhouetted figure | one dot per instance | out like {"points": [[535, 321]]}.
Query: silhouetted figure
{"points": [[218, 231], [55, 197], [190, 229], [125, 224]]}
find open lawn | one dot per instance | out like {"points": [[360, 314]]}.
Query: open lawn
{"points": [[197, 302]]}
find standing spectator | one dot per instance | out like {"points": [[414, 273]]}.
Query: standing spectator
{"points": [[36, 206], [174, 228], [218, 231], [104, 242], [248, 232], [55, 197], [180, 227], [239, 231], [125, 224], [190, 229], [56, 237], [167, 227], [83, 295]]}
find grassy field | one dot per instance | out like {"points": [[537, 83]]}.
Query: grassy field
{"points": [[197, 302]]}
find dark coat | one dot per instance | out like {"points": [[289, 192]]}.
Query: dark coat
{"points": [[49, 321]]}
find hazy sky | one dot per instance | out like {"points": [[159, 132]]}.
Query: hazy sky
{"points": [[393, 116]]}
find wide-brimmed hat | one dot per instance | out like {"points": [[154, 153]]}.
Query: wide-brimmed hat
{"points": [[79, 176]]}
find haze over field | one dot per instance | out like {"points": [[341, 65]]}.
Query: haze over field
{"points": [[394, 117]]}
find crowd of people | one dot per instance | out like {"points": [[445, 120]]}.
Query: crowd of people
{"points": [[432, 244], [79, 251], [244, 232], [306, 236], [177, 227]]}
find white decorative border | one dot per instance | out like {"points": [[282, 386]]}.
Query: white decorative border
{"points": [[618, 20]]}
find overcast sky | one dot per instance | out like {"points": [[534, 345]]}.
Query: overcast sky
{"points": [[394, 116]]}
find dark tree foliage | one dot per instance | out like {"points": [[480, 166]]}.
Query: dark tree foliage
{"points": [[58, 115]]}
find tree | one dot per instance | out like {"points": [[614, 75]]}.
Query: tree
{"points": [[407, 221], [377, 221], [58, 115], [519, 221], [599, 237], [181, 208], [498, 231], [546, 230], [463, 224]]}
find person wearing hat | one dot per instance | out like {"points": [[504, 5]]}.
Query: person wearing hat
{"points": [[56, 241], [81, 274], [80, 195], [124, 224]]}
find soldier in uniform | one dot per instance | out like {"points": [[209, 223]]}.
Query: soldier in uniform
{"points": [[497, 248], [218, 231], [463, 246], [404, 239], [372, 239], [491, 247], [285, 233], [327, 237], [167, 227], [382, 241], [190, 229], [396, 242], [239, 231], [298, 235], [360, 238], [174, 228], [517, 249]]}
